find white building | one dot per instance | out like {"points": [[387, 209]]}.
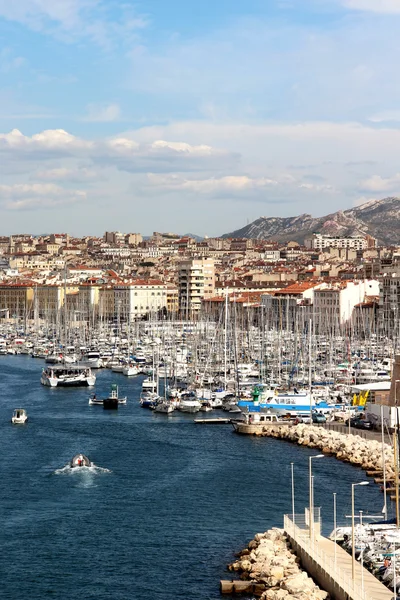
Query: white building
{"points": [[196, 281], [136, 299], [320, 242], [334, 305]]}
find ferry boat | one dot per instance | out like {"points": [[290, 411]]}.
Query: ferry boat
{"points": [[290, 403], [67, 375]]}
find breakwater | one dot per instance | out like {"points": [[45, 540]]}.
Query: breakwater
{"points": [[358, 451], [268, 568]]}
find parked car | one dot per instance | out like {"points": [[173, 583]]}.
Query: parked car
{"points": [[305, 420], [318, 418], [360, 423]]}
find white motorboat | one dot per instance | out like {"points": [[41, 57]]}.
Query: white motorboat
{"points": [[67, 375], [149, 385], [93, 359], [19, 416], [188, 403], [164, 407], [54, 359], [79, 460], [130, 370]]}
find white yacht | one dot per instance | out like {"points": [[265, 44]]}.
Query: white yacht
{"points": [[130, 370], [188, 403], [67, 375], [93, 359]]}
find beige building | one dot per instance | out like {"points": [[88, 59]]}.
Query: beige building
{"points": [[196, 282], [48, 300], [133, 239], [16, 300], [138, 298]]}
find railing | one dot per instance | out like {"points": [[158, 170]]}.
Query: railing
{"points": [[341, 578]]}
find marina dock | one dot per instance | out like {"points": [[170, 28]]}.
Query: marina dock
{"points": [[331, 566], [216, 421]]}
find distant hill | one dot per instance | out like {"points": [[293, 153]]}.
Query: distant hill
{"points": [[197, 238], [379, 218]]}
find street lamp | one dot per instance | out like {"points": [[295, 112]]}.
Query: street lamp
{"points": [[334, 525], [311, 507], [353, 547], [292, 469]]}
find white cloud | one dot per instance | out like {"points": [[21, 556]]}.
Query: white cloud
{"points": [[103, 114], [182, 147], [313, 187], [376, 6], [51, 139], [376, 183], [36, 195], [385, 116], [228, 183], [72, 19]]}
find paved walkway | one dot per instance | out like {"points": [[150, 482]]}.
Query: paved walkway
{"points": [[372, 586], [331, 566], [364, 433]]}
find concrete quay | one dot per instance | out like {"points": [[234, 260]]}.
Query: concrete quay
{"points": [[331, 567], [288, 564]]}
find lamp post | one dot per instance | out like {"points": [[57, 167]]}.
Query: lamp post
{"points": [[353, 547], [311, 506], [334, 525], [292, 470]]}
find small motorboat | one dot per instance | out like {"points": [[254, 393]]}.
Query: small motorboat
{"points": [[79, 460], [19, 416]]}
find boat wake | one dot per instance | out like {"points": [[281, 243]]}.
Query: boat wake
{"points": [[93, 469]]}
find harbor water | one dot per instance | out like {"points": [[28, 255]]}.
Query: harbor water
{"points": [[163, 511]]}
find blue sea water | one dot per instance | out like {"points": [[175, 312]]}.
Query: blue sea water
{"points": [[166, 509]]}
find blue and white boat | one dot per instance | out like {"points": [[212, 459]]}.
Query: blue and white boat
{"points": [[289, 403]]}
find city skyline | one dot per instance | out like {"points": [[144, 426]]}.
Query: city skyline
{"points": [[194, 119]]}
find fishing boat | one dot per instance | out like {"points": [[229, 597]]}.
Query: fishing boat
{"points": [[253, 423], [67, 375], [112, 401], [19, 416]]}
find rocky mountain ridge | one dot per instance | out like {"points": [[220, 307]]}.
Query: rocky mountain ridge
{"points": [[379, 218]]}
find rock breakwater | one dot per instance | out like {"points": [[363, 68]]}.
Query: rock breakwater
{"points": [[358, 451], [272, 571]]}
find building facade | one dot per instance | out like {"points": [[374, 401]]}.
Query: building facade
{"points": [[196, 282]]}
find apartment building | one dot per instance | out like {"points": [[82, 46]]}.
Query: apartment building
{"points": [[136, 299], [319, 242], [334, 305], [16, 300], [196, 282]]}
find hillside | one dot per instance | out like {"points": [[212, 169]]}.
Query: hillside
{"points": [[379, 218]]}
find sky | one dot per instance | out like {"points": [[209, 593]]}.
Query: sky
{"points": [[194, 117]]}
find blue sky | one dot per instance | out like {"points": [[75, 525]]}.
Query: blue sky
{"points": [[194, 116]]}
